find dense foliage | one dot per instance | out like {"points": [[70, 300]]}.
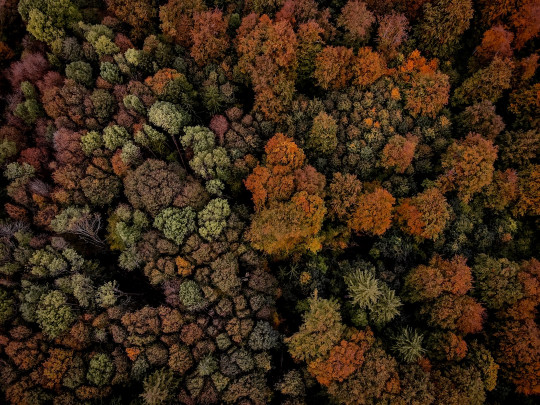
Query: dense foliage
{"points": [[253, 201]]}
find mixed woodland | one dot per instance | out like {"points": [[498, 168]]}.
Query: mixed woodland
{"points": [[269, 202]]}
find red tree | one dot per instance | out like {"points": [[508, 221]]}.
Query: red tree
{"points": [[209, 36], [424, 215], [373, 215], [440, 276]]}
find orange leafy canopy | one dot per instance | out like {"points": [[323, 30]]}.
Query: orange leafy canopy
{"points": [[373, 214]]}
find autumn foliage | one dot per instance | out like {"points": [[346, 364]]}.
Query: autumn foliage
{"points": [[269, 202], [288, 197]]}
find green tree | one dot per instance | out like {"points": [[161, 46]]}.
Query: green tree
{"points": [[100, 370], [443, 23], [386, 308], [209, 160], [488, 83], [496, 281], [7, 309], [408, 345], [54, 314], [47, 20], [115, 136], [175, 223], [168, 116], [190, 294], [321, 330], [323, 135], [363, 288], [213, 218], [80, 71], [106, 295]]}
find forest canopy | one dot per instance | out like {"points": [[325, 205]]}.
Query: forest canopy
{"points": [[269, 202]]}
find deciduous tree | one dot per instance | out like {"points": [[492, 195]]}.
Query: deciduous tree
{"points": [[468, 166], [373, 214], [424, 215]]}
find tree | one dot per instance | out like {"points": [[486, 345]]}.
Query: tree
{"points": [[101, 38], [343, 360], [168, 116], [191, 295], [47, 20], [408, 345], [320, 331], [55, 367], [175, 223], [300, 11], [529, 277], [267, 55], [213, 218], [398, 153], [139, 14], [524, 103], [83, 290], [529, 192], [519, 148], [288, 197], [525, 22], [368, 67], [461, 313], [468, 166], [6, 306], [446, 346], [209, 36], [110, 72], [460, 383], [309, 46], [373, 214], [54, 315], [496, 281], [443, 23], [285, 227], [165, 83], [153, 185], [323, 135], [425, 283], [392, 32], [488, 83], [356, 20], [292, 384], [502, 191], [263, 337], [386, 307], [67, 146], [177, 19], [106, 295], [80, 71], [333, 67], [115, 137], [100, 370], [345, 192], [377, 380], [209, 160], [482, 119], [518, 354], [99, 185], [497, 41], [159, 387], [428, 93], [426, 89], [424, 215]]}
